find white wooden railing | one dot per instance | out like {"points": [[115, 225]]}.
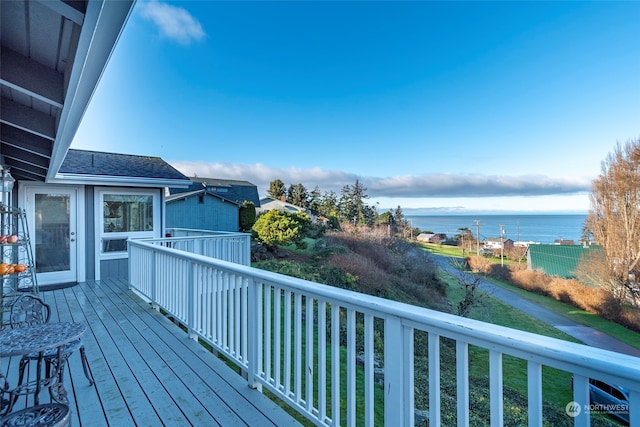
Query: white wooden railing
{"points": [[232, 247], [299, 340]]}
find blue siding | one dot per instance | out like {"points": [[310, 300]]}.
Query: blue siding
{"points": [[202, 212], [114, 268]]}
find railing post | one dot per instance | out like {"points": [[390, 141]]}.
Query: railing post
{"points": [[634, 408], [409, 376], [534, 392], [191, 303], [394, 387], [246, 247], [434, 379], [129, 269], [462, 382], [577, 408], [496, 389], [255, 335], [153, 284]]}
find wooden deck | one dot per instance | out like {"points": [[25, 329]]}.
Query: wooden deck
{"points": [[147, 371]]}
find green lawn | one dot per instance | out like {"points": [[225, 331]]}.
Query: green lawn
{"points": [[492, 310], [557, 384], [588, 319]]}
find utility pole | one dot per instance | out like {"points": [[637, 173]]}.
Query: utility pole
{"points": [[501, 245], [477, 221]]}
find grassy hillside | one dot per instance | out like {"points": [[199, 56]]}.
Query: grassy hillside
{"points": [[398, 270]]}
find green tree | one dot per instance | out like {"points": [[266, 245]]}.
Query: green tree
{"points": [[402, 224], [298, 195], [247, 216], [277, 190], [352, 206], [282, 228], [385, 219], [315, 201]]}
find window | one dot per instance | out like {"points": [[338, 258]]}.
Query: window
{"points": [[123, 214], [126, 213]]}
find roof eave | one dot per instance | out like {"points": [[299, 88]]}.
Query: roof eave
{"points": [[103, 24], [125, 181]]}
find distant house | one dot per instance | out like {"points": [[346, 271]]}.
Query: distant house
{"points": [[498, 243], [209, 204], [232, 190], [202, 210], [564, 242], [557, 260], [269, 203], [431, 237]]}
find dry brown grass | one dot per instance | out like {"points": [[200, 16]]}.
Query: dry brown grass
{"points": [[372, 280], [594, 300], [389, 268]]}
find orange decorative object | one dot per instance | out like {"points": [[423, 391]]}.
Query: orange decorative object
{"points": [[19, 268]]}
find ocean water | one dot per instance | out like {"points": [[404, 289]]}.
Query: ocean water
{"points": [[527, 228]]}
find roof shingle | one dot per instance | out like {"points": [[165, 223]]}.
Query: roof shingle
{"points": [[83, 162]]}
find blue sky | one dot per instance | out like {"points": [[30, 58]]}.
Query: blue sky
{"points": [[445, 106]]}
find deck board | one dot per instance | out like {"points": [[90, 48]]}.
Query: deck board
{"points": [[147, 371]]}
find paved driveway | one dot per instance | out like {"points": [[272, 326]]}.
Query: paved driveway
{"points": [[585, 334]]}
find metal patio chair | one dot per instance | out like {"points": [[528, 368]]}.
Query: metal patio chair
{"points": [[28, 309]]}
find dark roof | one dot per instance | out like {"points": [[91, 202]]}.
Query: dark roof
{"points": [[232, 190], [558, 260], [110, 164]]}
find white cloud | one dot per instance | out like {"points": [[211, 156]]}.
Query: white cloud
{"points": [[443, 186], [173, 22], [448, 185]]}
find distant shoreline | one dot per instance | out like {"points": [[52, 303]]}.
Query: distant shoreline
{"points": [[539, 228], [407, 214], [420, 212]]}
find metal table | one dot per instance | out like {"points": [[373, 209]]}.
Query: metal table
{"points": [[37, 339]]}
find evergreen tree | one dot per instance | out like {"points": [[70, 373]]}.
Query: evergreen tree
{"points": [[282, 228], [329, 204], [315, 200], [298, 196], [247, 216], [352, 206], [276, 190]]}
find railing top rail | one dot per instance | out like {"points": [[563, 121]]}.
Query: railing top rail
{"points": [[198, 237], [204, 232], [578, 358]]}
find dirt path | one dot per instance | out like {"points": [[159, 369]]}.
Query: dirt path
{"points": [[585, 334]]}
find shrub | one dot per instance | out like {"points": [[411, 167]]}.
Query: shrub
{"points": [[479, 264]]}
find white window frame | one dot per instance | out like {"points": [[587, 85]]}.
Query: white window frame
{"points": [[100, 234]]}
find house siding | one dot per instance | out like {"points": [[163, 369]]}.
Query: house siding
{"points": [[114, 268], [90, 233], [211, 214]]}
